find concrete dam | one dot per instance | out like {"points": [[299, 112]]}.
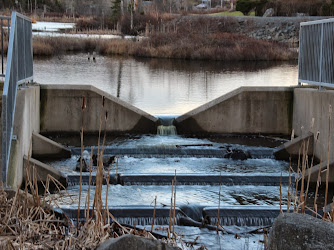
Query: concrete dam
{"points": [[230, 166], [56, 110]]}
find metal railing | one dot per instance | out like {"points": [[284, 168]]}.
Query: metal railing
{"points": [[3, 37], [316, 48], [19, 70]]}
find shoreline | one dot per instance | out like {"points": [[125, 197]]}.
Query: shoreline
{"points": [[191, 38], [201, 37]]}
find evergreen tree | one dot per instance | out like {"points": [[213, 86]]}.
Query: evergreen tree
{"points": [[116, 11]]}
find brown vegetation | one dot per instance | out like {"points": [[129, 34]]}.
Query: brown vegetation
{"points": [[198, 38], [48, 46], [309, 7], [216, 46]]}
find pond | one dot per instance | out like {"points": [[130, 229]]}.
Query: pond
{"points": [[162, 86]]}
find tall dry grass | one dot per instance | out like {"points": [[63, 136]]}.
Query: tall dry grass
{"points": [[301, 195], [193, 38], [48, 46], [27, 221], [216, 46]]}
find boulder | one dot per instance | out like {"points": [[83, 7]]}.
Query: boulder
{"points": [[237, 154], [300, 231], [269, 12], [134, 242]]}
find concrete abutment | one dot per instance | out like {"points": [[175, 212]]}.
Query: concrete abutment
{"points": [[248, 110], [61, 111]]}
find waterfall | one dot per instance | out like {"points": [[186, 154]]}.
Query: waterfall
{"points": [[166, 125]]}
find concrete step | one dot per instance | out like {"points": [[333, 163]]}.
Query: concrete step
{"points": [[185, 179], [44, 148], [251, 215], [323, 172], [198, 179], [295, 147], [245, 215], [173, 151], [42, 171], [129, 215]]}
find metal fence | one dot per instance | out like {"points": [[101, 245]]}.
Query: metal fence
{"points": [[316, 48], [19, 70], [4, 30]]}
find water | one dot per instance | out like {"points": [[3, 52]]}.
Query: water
{"points": [[201, 195], [52, 26], [142, 164], [211, 240], [162, 86], [154, 165], [175, 87]]}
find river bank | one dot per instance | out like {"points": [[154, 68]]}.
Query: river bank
{"points": [[192, 38], [215, 46], [200, 37]]}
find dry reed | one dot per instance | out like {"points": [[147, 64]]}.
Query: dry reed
{"points": [[155, 206], [218, 216], [328, 150], [182, 44], [174, 204], [289, 187], [82, 148], [280, 195], [27, 221]]}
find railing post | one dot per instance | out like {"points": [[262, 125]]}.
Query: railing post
{"points": [[316, 60], [2, 51], [321, 51], [300, 55], [16, 72]]}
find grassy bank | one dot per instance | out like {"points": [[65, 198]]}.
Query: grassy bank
{"points": [[196, 46], [195, 38], [222, 46]]}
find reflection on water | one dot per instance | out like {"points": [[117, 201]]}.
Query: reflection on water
{"points": [[161, 86], [186, 194]]}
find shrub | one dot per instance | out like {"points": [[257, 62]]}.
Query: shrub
{"points": [[245, 6]]}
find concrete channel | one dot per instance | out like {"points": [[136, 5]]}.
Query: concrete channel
{"points": [[245, 111]]}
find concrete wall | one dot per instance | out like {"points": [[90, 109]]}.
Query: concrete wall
{"points": [[26, 121], [61, 111], [313, 103], [266, 110]]}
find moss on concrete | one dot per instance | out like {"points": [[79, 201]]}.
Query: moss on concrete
{"points": [[43, 102]]}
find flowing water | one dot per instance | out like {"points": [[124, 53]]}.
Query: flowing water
{"points": [[247, 191]]}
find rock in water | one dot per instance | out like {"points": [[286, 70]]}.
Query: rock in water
{"points": [[134, 242], [85, 162], [237, 154], [301, 231], [106, 160], [85, 165]]}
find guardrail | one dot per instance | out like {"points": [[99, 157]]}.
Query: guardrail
{"points": [[19, 70], [3, 34], [316, 48]]}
